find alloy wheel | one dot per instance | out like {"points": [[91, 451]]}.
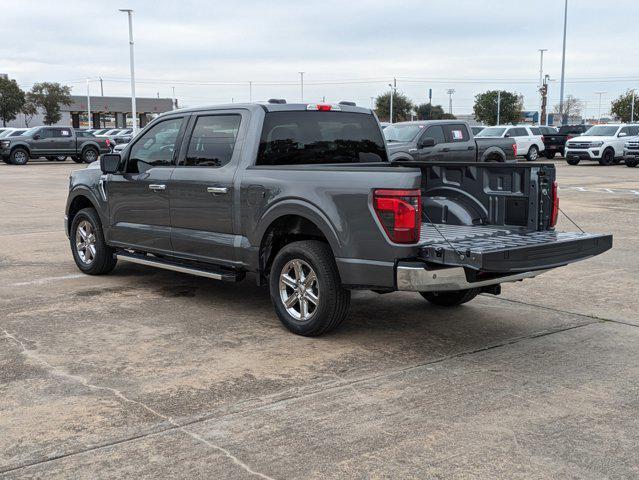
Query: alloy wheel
{"points": [[299, 290], [85, 242]]}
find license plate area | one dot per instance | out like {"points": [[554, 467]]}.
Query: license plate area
{"points": [[502, 249]]}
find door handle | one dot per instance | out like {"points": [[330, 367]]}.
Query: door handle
{"points": [[471, 148], [155, 187], [445, 149], [217, 190]]}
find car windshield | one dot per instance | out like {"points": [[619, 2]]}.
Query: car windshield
{"points": [[402, 133], [30, 131], [16, 133], [601, 131], [491, 132]]}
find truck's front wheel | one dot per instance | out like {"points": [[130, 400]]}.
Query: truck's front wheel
{"points": [[91, 253], [19, 157], [452, 298], [306, 290]]}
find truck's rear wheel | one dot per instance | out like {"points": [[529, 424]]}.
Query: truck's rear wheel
{"points": [[77, 159], [89, 155], [452, 298], [632, 163], [19, 157], [91, 253], [306, 290], [573, 161]]}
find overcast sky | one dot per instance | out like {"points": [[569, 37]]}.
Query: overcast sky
{"points": [[347, 49]]}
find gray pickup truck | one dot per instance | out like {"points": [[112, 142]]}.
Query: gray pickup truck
{"points": [[445, 141], [52, 142], [304, 197]]}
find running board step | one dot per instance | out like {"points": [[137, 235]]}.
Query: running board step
{"points": [[141, 259]]}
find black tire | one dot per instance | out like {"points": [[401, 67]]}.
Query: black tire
{"points": [[533, 153], [19, 156], [572, 161], [452, 298], [333, 299], [616, 161], [60, 158], [77, 159], [50, 159], [6, 160], [103, 260], [608, 157], [89, 155], [549, 155], [632, 163]]}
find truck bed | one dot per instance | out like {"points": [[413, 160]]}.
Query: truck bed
{"points": [[506, 249]]}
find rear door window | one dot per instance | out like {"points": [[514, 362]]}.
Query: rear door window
{"points": [[535, 131], [316, 137], [456, 133], [212, 141]]}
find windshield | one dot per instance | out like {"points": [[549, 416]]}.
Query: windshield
{"points": [[30, 131], [601, 131], [313, 137], [5, 133], [492, 132], [402, 133]]}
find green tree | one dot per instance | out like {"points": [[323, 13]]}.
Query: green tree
{"points": [[50, 96], [426, 111], [402, 107], [485, 108], [621, 106], [29, 109], [11, 100]]}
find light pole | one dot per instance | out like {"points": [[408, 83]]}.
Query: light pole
{"points": [[541, 78], [88, 105], [498, 105], [134, 115], [250, 90], [450, 92], [599, 114], [302, 87], [563, 65], [393, 88], [632, 107]]}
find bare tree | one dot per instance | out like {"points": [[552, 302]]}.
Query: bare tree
{"points": [[572, 106]]}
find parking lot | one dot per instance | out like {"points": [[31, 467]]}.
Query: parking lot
{"points": [[194, 378]]}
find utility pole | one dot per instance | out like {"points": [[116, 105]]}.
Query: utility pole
{"points": [[101, 88], [88, 104], [599, 114], [302, 87], [544, 101], [393, 88], [134, 115], [563, 65], [541, 77], [250, 90], [498, 105], [173, 99], [450, 92]]}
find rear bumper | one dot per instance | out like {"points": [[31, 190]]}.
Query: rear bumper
{"points": [[415, 277]]}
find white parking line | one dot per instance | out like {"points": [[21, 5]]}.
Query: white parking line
{"points": [[42, 281], [614, 191]]}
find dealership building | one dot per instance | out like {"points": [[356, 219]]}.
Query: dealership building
{"points": [[105, 112]]}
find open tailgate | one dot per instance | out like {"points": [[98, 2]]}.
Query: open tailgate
{"points": [[505, 249]]}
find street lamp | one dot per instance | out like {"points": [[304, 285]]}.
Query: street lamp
{"points": [[302, 87], [450, 92], [541, 79], [393, 88], [134, 115], [563, 65], [600, 94]]}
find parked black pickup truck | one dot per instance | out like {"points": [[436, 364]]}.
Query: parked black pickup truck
{"points": [[304, 197], [445, 140], [52, 142], [555, 141]]}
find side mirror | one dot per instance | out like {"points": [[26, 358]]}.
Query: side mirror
{"points": [[623, 134], [507, 135], [427, 142], [110, 162], [36, 136]]}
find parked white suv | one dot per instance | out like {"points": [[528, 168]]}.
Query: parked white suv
{"points": [[603, 143], [529, 140]]}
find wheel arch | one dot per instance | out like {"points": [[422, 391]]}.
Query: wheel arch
{"points": [[493, 153], [288, 222], [78, 199]]}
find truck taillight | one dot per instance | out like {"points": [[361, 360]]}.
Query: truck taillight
{"points": [[400, 213], [555, 205], [108, 142], [515, 148]]}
